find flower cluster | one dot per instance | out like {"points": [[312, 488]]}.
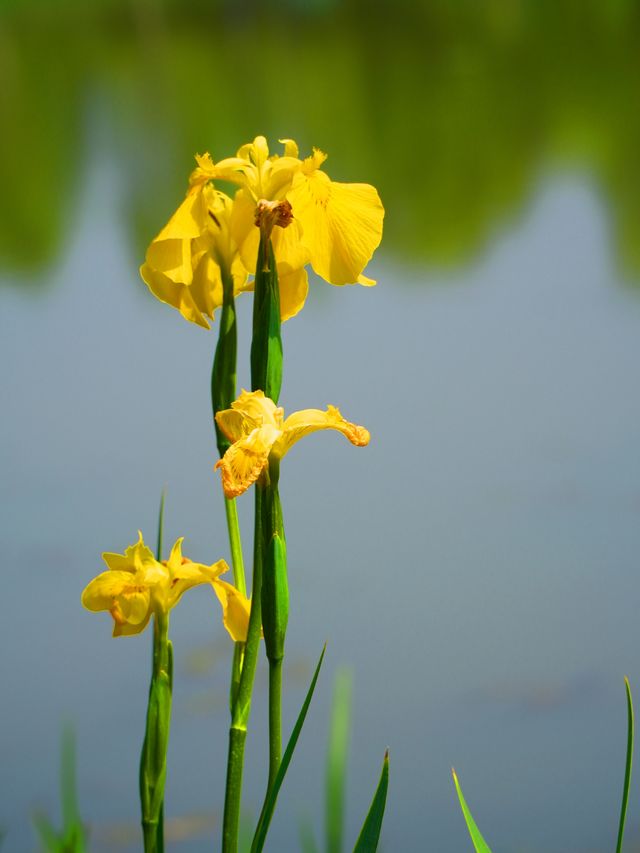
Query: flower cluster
{"points": [[136, 586], [211, 238]]}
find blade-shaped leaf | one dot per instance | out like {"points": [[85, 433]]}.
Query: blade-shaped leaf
{"points": [[337, 761], [163, 495], [370, 833], [307, 839], [627, 771], [270, 803], [479, 843]]}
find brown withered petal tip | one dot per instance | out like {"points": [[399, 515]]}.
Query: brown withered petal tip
{"points": [[270, 213]]}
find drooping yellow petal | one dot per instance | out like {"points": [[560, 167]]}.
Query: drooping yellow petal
{"points": [[129, 629], [245, 460], [294, 286], [177, 295], [342, 224], [235, 610], [100, 593], [188, 221], [302, 423]]}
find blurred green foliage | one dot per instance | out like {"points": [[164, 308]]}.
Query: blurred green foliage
{"points": [[453, 110]]}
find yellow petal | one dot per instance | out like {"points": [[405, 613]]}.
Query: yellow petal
{"points": [[342, 224], [128, 629], [302, 423], [244, 461], [134, 558], [177, 295], [132, 606], [257, 409], [290, 147], [189, 220], [191, 574], [235, 610], [294, 286], [100, 593], [249, 412]]}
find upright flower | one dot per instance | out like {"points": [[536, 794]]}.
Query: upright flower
{"points": [[336, 226], [259, 431], [191, 259], [136, 585]]}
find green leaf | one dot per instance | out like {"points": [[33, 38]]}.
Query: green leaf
{"points": [[337, 761], [627, 771], [480, 845], [48, 835], [370, 833], [163, 496], [266, 343], [307, 839], [270, 803]]}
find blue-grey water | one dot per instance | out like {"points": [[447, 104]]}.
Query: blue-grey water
{"points": [[476, 567]]}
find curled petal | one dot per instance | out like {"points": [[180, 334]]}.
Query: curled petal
{"points": [[257, 409], [245, 460], [250, 411], [235, 610], [191, 574], [302, 423], [177, 295]]}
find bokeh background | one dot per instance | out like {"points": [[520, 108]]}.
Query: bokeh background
{"points": [[476, 567]]}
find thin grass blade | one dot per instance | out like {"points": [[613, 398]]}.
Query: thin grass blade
{"points": [[370, 833], [337, 761], [627, 770], [480, 845], [163, 496], [270, 803], [307, 839]]}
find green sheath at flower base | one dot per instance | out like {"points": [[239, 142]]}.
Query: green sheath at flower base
{"points": [[266, 343], [153, 761], [275, 590], [223, 374]]}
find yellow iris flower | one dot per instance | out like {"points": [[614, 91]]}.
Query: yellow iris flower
{"points": [[336, 227], [137, 585], [186, 262], [259, 430]]}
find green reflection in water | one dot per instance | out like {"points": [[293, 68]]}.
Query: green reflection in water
{"points": [[452, 109]]}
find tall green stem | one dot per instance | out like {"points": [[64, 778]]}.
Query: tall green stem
{"points": [[242, 705], [153, 761], [275, 612]]}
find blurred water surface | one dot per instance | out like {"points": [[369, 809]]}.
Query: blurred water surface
{"points": [[476, 565]]}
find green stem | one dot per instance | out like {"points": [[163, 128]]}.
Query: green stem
{"points": [[275, 718], [235, 544], [275, 612], [242, 704], [153, 761]]}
